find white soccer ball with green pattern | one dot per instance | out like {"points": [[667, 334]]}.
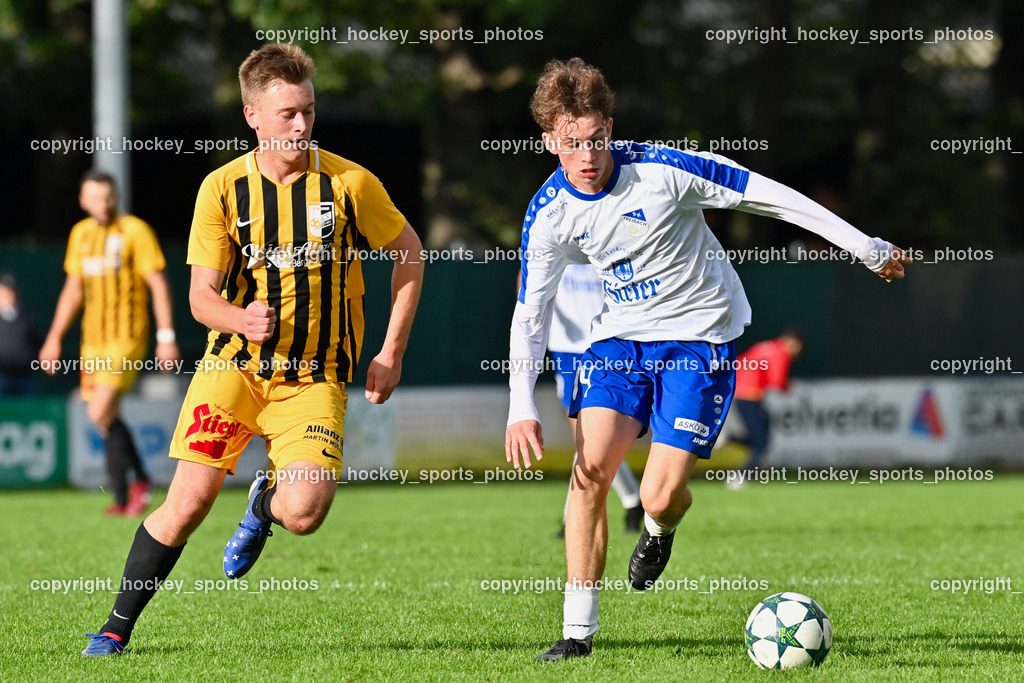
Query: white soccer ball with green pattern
{"points": [[787, 631]]}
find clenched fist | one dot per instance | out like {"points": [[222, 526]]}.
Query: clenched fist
{"points": [[260, 321]]}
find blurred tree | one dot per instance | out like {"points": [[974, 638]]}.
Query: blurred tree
{"points": [[845, 122]]}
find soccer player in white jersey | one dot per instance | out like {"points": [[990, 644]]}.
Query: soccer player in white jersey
{"points": [[661, 354], [579, 300]]}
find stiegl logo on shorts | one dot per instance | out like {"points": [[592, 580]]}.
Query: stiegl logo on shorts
{"points": [[698, 428], [203, 422], [206, 423]]}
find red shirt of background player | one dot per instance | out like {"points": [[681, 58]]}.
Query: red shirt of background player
{"points": [[765, 365]]}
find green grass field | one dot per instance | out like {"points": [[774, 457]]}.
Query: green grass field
{"points": [[398, 573]]}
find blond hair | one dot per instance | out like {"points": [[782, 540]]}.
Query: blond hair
{"points": [[270, 64]]}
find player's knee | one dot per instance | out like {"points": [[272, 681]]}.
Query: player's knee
{"points": [[302, 515], [194, 507], [666, 502], [589, 494], [175, 520], [304, 524], [592, 478], [685, 500]]}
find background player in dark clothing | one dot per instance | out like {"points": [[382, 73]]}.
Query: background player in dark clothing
{"points": [[19, 341]]}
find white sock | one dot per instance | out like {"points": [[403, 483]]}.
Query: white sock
{"points": [[579, 612], [655, 529], [626, 487]]}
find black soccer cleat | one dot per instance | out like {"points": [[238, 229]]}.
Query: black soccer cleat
{"points": [[649, 559], [634, 519], [567, 648]]}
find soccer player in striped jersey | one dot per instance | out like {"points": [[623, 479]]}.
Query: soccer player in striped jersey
{"points": [[277, 277], [113, 264], [661, 354]]}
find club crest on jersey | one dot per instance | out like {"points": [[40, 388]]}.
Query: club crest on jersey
{"points": [[321, 218], [636, 223], [623, 269]]}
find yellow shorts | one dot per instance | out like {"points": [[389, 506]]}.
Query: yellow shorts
{"points": [[225, 406], [117, 368]]}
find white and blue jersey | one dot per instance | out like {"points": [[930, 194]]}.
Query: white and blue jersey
{"points": [[661, 268], [646, 236]]}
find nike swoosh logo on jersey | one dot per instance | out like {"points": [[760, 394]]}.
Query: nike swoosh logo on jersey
{"points": [[241, 224], [331, 456]]}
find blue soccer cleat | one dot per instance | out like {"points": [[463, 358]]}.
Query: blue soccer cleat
{"points": [[244, 548], [102, 645]]}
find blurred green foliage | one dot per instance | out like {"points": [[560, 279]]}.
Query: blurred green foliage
{"points": [[849, 123]]}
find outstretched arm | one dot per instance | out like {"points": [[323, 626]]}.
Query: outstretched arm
{"points": [[767, 197]]}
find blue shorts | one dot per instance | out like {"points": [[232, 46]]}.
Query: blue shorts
{"points": [[682, 390], [565, 374]]}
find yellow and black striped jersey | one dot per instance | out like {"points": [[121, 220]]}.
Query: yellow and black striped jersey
{"points": [[295, 247], [113, 262]]}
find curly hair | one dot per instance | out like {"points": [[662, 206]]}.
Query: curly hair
{"points": [[271, 63], [570, 89]]}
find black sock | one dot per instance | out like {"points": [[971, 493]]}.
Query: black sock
{"points": [[120, 439], [117, 469], [261, 506], [148, 564]]}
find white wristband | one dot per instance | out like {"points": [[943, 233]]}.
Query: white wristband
{"points": [[165, 336]]}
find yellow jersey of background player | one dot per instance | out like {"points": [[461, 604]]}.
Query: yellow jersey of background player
{"points": [[113, 261]]}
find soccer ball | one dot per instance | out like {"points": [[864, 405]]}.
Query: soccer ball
{"points": [[787, 631]]}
